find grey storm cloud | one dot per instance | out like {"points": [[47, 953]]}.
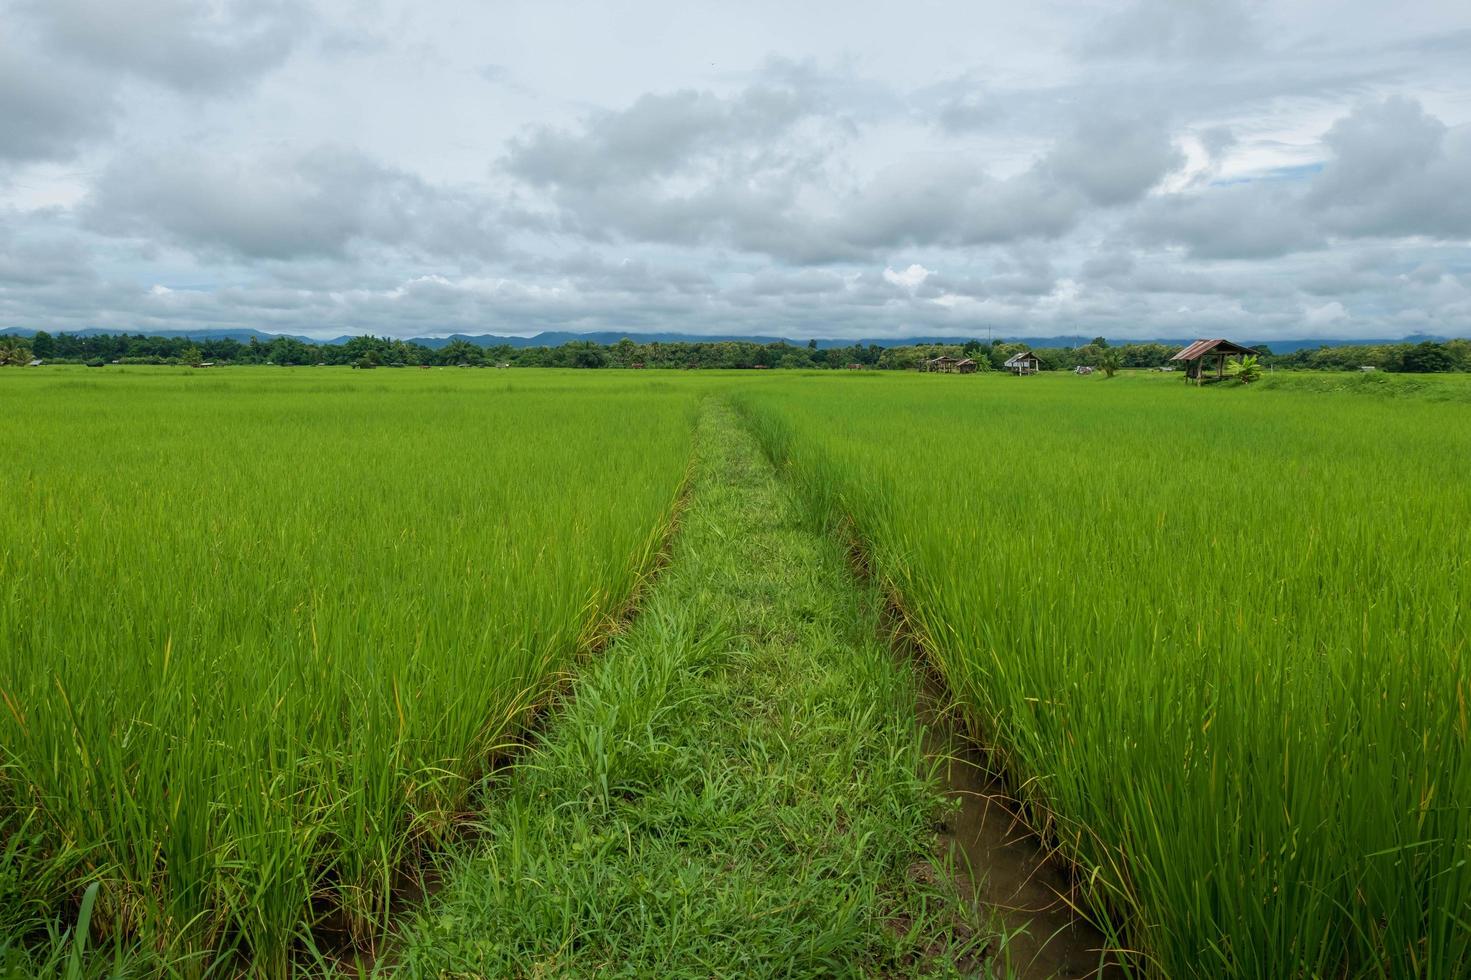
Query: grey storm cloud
{"points": [[39, 261], [954, 203], [689, 167], [47, 111], [1114, 160], [287, 206], [694, 167], [657, 136], [1102, 161], [969, 111], [184, 44], [1175, 30], [1395, 170], [1256, 220], [1391, 170], [62, 61]]}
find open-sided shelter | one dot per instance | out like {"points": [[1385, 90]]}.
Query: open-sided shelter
{"points": [[1201, 355]]}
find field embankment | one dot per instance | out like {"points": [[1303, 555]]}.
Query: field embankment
{"points": [[1218, 639], [259, 635]]}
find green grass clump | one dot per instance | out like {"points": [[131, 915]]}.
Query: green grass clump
{"points": [[260, 632], [1218, 637]]}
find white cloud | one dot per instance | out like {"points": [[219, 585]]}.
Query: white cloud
{"points": [[909, 278], [1325, 315]]}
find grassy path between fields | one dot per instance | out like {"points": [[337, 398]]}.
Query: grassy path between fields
{"points": [[734, 788]]}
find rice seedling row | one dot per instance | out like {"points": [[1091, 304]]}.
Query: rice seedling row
{"points": [[260, 633], [1218, 639]]}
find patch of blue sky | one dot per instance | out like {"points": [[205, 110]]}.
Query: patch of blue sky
{"points": [[1301, 171]]}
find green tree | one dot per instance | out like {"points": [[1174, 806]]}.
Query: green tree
{"points": [[1459, 349], [625, 352], [461, 352], [1427, 358], [289, 350], [43, 345], [1110, 360], [587, 355], [14, 350]]}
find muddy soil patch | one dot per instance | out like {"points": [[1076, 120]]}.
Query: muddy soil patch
{"points": [[1011, 871]]}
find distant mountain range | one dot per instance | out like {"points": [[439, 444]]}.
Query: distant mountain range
{"points": [[557, 338]]}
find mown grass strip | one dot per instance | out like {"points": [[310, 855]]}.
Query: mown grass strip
{"points": [[736, 788]]}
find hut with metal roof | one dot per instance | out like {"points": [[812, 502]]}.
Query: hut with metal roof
{"points": [[1023, 362], [1201, 355], [966, 366]]}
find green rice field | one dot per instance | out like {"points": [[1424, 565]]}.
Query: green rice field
{"points": [[259, 632], [263, 630], [1218, 639]]}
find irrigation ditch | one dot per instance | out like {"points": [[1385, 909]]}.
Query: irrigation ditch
{"points": [[1010, 868]]}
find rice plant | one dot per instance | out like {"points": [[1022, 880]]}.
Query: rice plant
{"points": [[261, 632], [1219, 640]]}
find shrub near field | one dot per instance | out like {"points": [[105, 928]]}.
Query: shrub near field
{"points": [[258, 632], [1219, 638]]}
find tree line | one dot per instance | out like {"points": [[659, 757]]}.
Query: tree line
{"points": [[1425, 357], [374, 352]]}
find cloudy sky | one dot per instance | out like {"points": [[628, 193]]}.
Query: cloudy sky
{"points": [[818, 169]]}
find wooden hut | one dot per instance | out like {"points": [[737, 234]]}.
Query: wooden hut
{"points": [[966, 366], [944, 364], [1199, 357], [1023, 362]]}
